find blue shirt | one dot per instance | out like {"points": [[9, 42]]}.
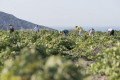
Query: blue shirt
{"points": [[65, 31]]}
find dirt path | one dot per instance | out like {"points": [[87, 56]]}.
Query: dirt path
{"points": [[100, 78], [88, 63]]}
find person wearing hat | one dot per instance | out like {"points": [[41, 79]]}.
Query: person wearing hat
{"points": [[36, 29], [91, 32], [11, 28], [80, 30], [65, 32], [110, 31]]}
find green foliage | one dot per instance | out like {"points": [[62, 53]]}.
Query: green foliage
{"points": [[29, 65], [28, 56], [108, 63], [48, 56]]}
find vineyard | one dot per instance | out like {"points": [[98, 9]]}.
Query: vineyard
{"points": [[46, 55]]}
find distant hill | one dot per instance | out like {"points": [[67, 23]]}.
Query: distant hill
{"points": [[6, 19]]}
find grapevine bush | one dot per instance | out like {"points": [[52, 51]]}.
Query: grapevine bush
{"points": [[46, 55]]}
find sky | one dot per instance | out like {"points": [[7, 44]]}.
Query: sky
{"points": [[65, 13]]}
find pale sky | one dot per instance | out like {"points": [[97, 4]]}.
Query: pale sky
{"points": [[65, 12]]}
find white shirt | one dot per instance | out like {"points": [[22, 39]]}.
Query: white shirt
{"points": [[110, 29], [36, 29]]}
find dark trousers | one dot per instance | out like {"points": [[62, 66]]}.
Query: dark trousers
{"points": [[11, 30], [112, 33]]}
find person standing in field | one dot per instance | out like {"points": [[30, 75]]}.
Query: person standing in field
{"points": [[110, 31], [36, 29], [11, 28], [65, 32], [91, 32], [80, 30]]}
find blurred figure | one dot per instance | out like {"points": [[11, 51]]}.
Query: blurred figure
{"points": [[80, 30], [65, 32], [91, 32], [11, 28], [110, 31], [36, 29]]}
